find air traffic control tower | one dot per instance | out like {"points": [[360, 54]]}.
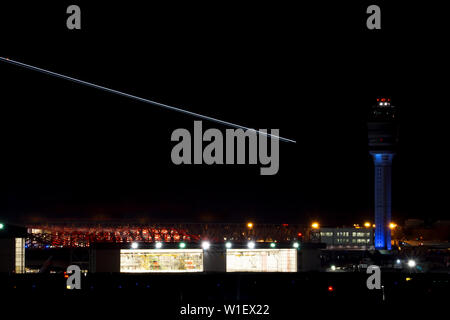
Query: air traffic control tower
{"points": [[383, 137]]}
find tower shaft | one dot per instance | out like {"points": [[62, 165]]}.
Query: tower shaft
{"points": [[383, 138], [383, 180]]}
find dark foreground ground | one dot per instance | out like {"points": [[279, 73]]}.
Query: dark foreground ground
{"points": [[288, 296]]}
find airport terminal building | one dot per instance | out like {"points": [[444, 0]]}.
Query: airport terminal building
{"points": [[348, 238], [121, 248], [260, 257]]}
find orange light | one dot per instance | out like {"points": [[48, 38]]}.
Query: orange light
{"points": [[367, 224], [250, 225], [392, 225], [315, 225]]}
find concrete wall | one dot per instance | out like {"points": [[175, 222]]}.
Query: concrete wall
{"points": [[309, 260], [7, 255], [214, 260], [106, 260]]}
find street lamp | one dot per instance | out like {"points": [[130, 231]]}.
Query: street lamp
{"points": [[205, 245], [411, 263], [392, 225]]}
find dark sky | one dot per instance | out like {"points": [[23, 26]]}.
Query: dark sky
{"points": [[311, 70]]}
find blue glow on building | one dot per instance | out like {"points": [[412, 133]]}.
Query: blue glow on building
{"points": [[383, 181]]}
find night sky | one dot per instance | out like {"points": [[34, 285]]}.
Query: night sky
{"points": [[312, 71]]}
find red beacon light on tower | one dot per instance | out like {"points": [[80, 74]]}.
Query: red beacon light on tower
{"points": [[384, 102]]}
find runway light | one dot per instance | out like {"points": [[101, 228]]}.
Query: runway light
{"points": [[251, 244], [295, 245], [206, 245], [367, 224], [228, 245], [411, 263], [315, 225], [182, 245], [134, 245], [250, 225], [158, 245], [273, 245]]}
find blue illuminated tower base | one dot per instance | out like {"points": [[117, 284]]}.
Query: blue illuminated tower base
{"points": [[383, 180]]}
